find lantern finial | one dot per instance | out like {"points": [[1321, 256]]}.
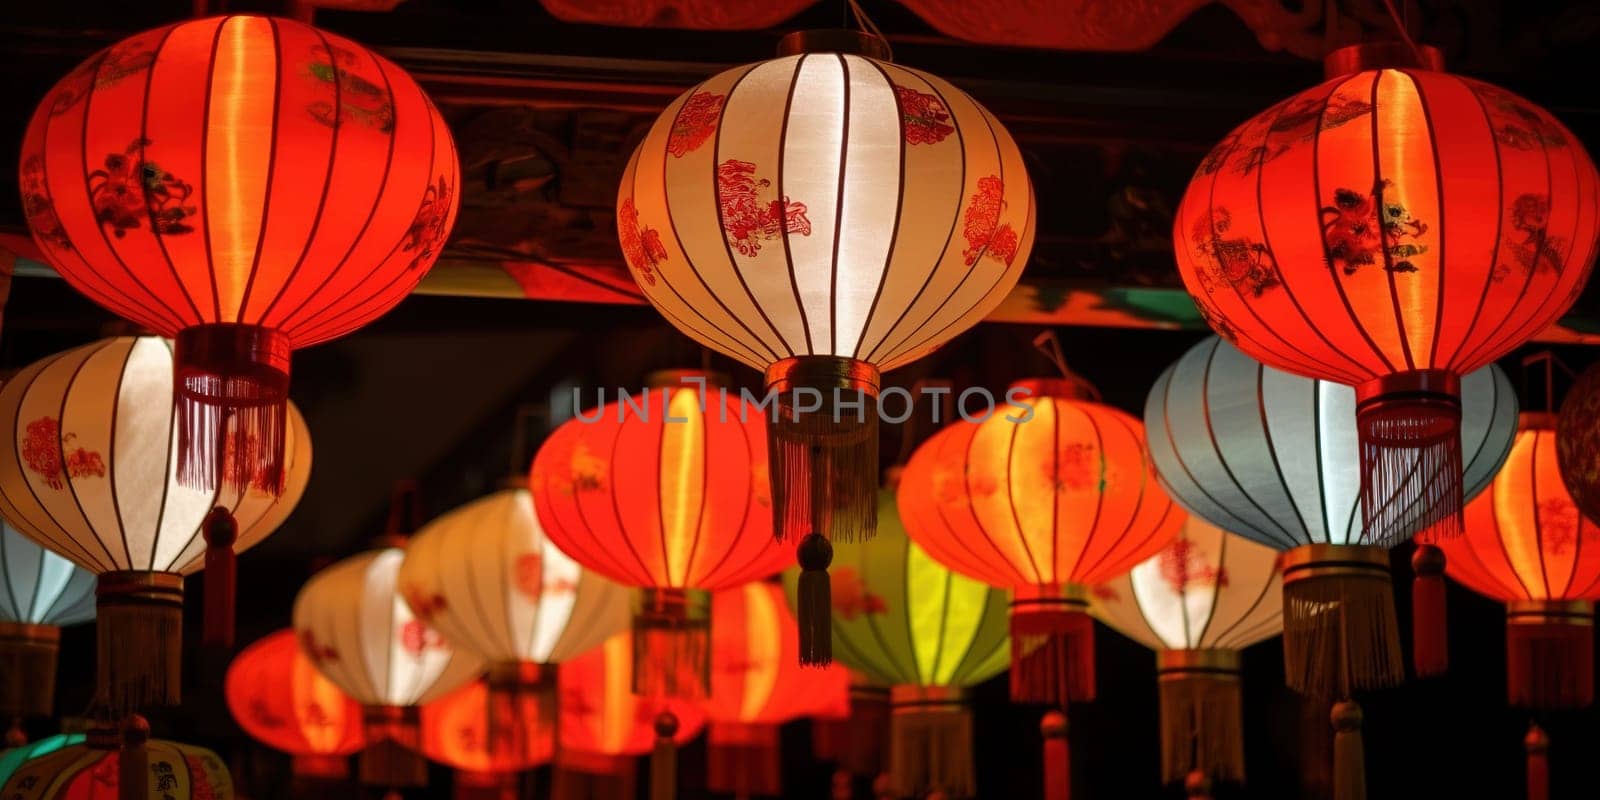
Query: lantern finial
{"points": [[1392, 54], [835, 40]]}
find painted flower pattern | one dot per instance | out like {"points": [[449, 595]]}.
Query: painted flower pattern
{"points": [[315, 650], [588, 470], [1185, 566], [417, 638], [423, 605], [529, 572], [1536, 251], [985, 234], [39, 208], [121, 61], [1361, 229], [924, 116], [746, 218], [1238, 261], [850, 596], [132, 191], [695, 123], [348, 96], [641, 246], [1559, 526], [50, 454], [427, 233]]}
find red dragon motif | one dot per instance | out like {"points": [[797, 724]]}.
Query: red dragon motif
{"points": [[981, 225], [641, 246], [926, 119], [132, 191], [1236, 260], [1363, 229], [748, 219], [427, 232], [695, 123]]}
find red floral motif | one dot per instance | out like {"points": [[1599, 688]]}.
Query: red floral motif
{"points": [[317, 652], [1184, 566], [529, 571], [132, 191], [1076, 467], [696, 121], [641, 246], [850, 596], [416, 638], [926, 119], [423, 606], [981, 225], [588, 471], [746, 217], [1559, 524], [427, 232], [39, 208], [360, 101], [43, 447], [1357, 234], [1237, 261]]}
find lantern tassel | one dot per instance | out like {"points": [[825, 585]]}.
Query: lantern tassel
{"points": [[664, 758], [672, 644], [139, 632], [133, 762], [1409, 427], [231, 389], [930, 742], [856, 743], [391, 758], [1057, 759], [1202, 714], [220, 532], [743, 759], [1196, 786], [1550, 654], [582, 776], [815, 601], [1340, 630], [1430, 649], [1349, 758], [1537, 745], [1052, 648], [28, 664]]}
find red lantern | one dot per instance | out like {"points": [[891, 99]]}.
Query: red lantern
{"points": [[667, 492], [279, 698], [1066, 494], [245, 185], [1392, 229], [458, 730]]}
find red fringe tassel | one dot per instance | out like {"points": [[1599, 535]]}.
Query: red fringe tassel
{"points": [[1409, 426], [1550, 655], [231, 390], [1052, 651]]}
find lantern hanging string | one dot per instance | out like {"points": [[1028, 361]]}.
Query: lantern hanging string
{"points": [[1048, 344], [1551, 362], [866, 24], [1403, 29]]}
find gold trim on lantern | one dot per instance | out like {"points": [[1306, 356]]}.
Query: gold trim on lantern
{"points": [[27, 633], [1380, 55], [1335, 560], [834, 40], [910, 699], [822, 373], [1221, 664], [518, 676], [1050, 596], [156, 588], [1550, 612]]}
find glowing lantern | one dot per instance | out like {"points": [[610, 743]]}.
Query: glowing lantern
{"points": [[1392, 229], [666, 491], [1197, 603], [1578, 442], [39, 593], [358, 632], [821, 217], [756, 685], [461, 730], [91, 474], [281, 700], [904, 621], [604, 726], [16, 756], [1066, 495], [248, 186], [95, 768], [1272, 457]]}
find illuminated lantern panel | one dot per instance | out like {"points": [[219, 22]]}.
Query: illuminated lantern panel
{"points": [[39, 592], [1528, 546], [282, 701], [461, 730], [91, 770], [1067, 495], [1197, 603], [246, 185], [668, 492], [91, 474]]}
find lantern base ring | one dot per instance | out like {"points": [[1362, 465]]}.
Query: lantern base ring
{"points": [[1340, 630], [1550, 612], [1202, 714], [1550, 653]]}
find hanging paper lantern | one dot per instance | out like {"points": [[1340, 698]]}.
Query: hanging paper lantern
{"points": [[95, 768], [1578, 442], [666, 491], [821, 217], [1393, 229], [604, 726], [1272, 457], [1064, 496], [358, 632], [91, 474], [247, 186], [1527, 545], [282, 701], [1197, 603], [461, 731], [905, 622], [756, 685], [39, 593]]}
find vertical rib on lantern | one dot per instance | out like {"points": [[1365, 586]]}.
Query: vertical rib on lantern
{"points": [[39, 592]]}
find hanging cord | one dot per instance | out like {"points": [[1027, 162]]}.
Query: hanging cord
{"points": [[866, 24], [1405, 30], [1048, 344], [1551, 363]]}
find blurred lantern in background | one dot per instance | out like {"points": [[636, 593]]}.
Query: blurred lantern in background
{"points": [[91, 474], [460, 730], [1578, 441], [666, 491], [1197, 603], [39, 593], [282, 701], [247, 186], [1055, 492], [96, 767], [604, 726], [358, 632], [905, 622], [1392, 229], [17, 756], [757, 684], [820, 217]]}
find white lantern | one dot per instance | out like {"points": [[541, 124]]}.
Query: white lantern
{"points": [[39, 593]]}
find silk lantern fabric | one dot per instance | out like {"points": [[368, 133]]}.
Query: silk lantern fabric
{"points": [[84, 772], [39, 592], [282, 701], [1056, 490], [1392, 229], [1527, 545], [249, 185], [757, 684], [1206, 596]]}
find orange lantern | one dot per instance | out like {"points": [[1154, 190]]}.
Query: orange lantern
{"points": [[1527, 545], [1392, 229], [823, 216], [604, 726], [666, 491], [458, 731], [756, 685], [245, 185], [281, 700], [1064, 495]]}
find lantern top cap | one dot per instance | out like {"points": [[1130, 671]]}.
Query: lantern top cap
{"points": [[685, 378], [1536, 421], [1380, 55], [835, 40], [1070, 387]]}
